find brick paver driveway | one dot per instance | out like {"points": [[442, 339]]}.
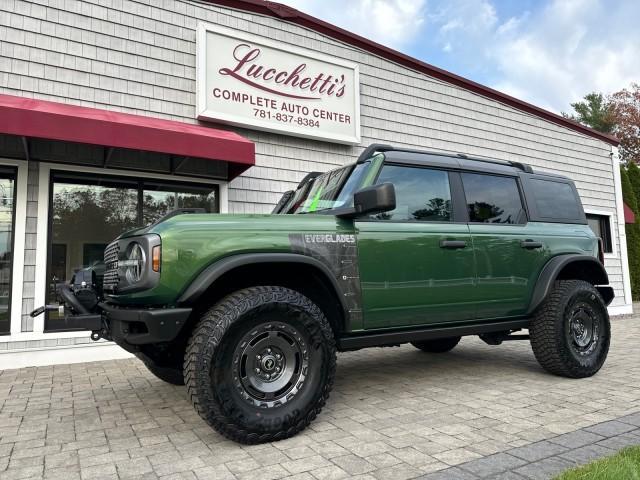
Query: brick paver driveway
{"points": [[394, 413]]}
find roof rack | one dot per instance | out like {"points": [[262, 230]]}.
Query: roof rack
{"points": [[381, 147]]}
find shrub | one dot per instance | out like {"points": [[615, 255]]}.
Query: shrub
{"points": [[632, 229]]}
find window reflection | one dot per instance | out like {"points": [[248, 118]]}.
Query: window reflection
{"points": [[422, 194], [159, 202], [492, 199]]}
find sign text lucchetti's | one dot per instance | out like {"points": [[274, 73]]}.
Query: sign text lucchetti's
{"points": [[247, 70], [254, 82]]}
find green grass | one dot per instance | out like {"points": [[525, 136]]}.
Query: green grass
{"points": [[625, 465]]}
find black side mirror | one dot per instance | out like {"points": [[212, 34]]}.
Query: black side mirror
{"points": [[374, 199]]}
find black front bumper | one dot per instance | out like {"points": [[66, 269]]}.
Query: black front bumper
{"points": [[144, 325]]}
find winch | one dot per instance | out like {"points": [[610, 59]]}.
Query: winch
{"points": [[78, 303]]}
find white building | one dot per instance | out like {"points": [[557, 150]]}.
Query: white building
{"points": [[304, 94]]}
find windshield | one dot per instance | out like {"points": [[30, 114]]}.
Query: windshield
{"points": [[330, 190]]}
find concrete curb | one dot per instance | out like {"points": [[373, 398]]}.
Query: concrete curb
{"points": [[548, 458]]}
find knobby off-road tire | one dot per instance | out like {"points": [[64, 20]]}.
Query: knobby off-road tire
{"points": [[570, 332], [173, 376], [438, 345], [260, 364]]}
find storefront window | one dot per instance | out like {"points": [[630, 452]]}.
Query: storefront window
{"points": [[158, 200], [87, 213], [7, 204]]}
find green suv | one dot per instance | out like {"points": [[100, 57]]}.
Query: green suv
{"points": [[401, 247]]}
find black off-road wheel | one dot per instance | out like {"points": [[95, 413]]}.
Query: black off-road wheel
{"points": [[438, 345], [260, 364], [570, 332]]}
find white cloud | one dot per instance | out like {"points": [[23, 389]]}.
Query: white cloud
{"points": [[550, 57], [394, 23]]}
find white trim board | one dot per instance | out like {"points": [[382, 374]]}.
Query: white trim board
{"points": [[620, 310], [612, 230], [622, 236], [39, 357], [18, 240]]}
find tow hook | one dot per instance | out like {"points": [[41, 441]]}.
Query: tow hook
{"points": [[97, 335]]}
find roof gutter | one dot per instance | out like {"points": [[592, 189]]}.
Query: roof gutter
{"points": [[284, 12]]}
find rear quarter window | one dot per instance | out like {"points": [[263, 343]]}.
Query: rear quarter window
{"points": [[554, 200]]}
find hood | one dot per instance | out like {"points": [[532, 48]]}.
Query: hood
{"points": [[233, 222]]}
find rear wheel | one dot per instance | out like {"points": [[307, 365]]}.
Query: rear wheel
{"points": [[260, 364], [570, 332], [438, 345]]}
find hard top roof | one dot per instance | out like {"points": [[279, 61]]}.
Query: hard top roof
{"points": [[450, 160]]}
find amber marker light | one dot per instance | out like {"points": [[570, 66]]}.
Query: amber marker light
{"points": [[155, 258]]}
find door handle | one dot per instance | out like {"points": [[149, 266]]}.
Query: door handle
{"points": [[453, 244], [530, 244]]}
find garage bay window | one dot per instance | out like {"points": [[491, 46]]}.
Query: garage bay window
{"points": [[88, 212]]}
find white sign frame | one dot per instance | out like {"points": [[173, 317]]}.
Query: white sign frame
{"points": [[203, 113]]}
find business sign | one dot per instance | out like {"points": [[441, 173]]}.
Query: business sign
{"points": [[253, 82]]}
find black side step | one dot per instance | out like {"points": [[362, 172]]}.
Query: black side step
{"points": [[395, 337]]}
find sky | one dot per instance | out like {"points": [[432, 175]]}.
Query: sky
{"points": [[547, 52]]}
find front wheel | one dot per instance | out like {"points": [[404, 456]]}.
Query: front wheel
{"points": [[570, 332], [260, 364]]}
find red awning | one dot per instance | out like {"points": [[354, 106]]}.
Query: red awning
{"points": [[629, 216], [59, 121]]}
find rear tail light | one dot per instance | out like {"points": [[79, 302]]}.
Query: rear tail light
{"points": [[600, 251]]}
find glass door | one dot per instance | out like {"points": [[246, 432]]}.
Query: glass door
{"points": [[7, 213]]}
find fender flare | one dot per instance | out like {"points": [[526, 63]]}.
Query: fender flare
{"points": [[215, 270], [552, 269]]}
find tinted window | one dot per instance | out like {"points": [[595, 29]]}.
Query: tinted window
{"points": [[323, 193], [601, 226], [492, 199], [421, 194], [554, 199], [7, 210]]}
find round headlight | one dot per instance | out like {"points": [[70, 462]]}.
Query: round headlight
{"points": [[136, 262]]}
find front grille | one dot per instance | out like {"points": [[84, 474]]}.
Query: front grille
{"points": [[111, 277]]}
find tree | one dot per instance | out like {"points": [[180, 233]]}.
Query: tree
{"points": [[437, 210], [625, 109], [594, 111], [628, 194], [633, 172], [632, 232]]}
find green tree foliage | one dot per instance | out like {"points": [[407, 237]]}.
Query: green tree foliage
{"points": [[632, 232], [628, 192], [633, 172], [594, 111]]}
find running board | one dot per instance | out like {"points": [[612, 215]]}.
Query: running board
{"points": [[396, 337]]}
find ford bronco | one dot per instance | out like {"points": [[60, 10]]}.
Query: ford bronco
{"points": [[401, 247]]}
